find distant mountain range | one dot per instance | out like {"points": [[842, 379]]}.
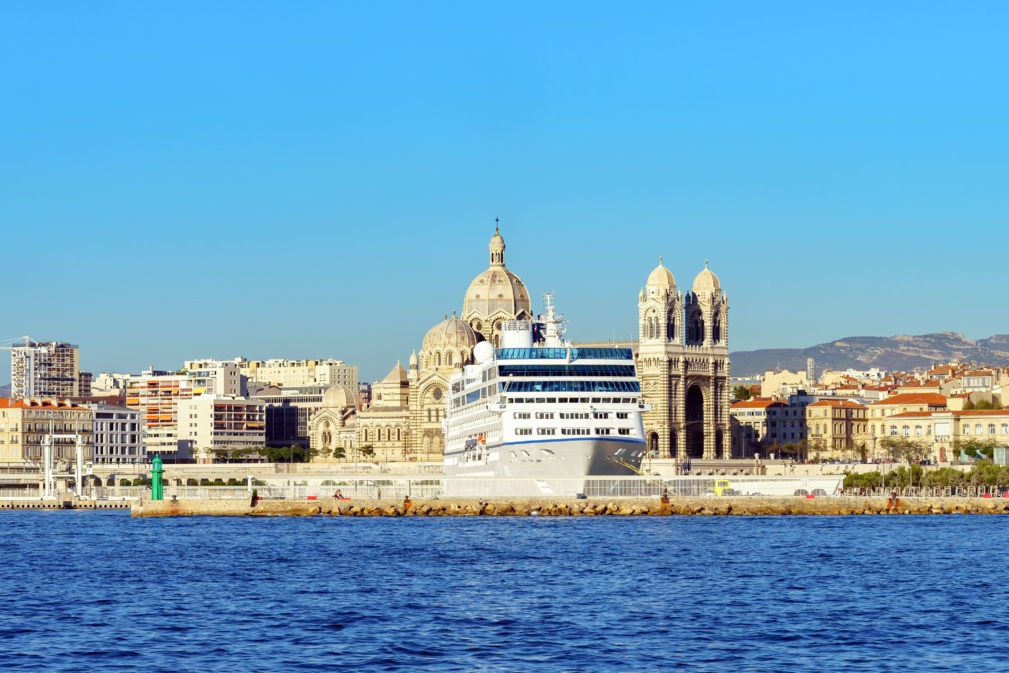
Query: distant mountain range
{"points": [[896, 353], [5, 390]]}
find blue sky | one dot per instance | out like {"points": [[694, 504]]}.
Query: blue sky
{"points": [[320, 179]]}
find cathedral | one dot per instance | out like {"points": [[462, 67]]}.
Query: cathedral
{"points": [[683, 366], [682, 362]]}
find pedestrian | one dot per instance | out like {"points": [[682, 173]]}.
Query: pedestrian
{"points": [[380, 493]]}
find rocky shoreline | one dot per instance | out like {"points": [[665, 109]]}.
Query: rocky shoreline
{"points": [[726, 506]]}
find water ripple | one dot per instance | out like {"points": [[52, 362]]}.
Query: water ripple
{"points": [[100, 591]]}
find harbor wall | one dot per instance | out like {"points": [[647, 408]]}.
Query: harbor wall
{"points": [[726, 506]]}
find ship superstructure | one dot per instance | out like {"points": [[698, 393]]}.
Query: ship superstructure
{"points": [[541, 408]]}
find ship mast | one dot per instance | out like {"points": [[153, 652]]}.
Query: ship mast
{"points": [[554, 324]]}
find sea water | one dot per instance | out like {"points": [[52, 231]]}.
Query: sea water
{"points": [[99, 591]]}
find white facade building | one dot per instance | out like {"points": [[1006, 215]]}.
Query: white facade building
{"points": [[118, 435], [210, 423]]}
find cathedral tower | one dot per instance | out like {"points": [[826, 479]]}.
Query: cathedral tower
{"points": [[683, 364]]}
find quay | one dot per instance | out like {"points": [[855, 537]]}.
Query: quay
{"points": [[62, 503], [679, 506]]}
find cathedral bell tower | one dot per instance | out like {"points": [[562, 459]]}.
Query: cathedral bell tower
{"points": [[683, 364]]}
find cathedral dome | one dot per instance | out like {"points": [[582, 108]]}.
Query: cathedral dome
{"points": [[706, 281], [661, 277], [497, 290], [339, 397], [452, 333]]}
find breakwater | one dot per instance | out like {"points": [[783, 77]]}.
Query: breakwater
{"points": [[726, 506]]}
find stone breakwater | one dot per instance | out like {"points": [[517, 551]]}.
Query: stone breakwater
{"points": [[728, 506]]}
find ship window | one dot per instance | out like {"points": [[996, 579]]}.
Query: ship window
{"points": [[602, 431], [546, 431], [523, 431], [622, 414], [522, 414], [624, 431]]}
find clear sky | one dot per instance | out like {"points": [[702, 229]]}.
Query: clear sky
{"points": [[320, 179]]}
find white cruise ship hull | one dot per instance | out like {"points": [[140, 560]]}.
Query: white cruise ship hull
{"points": [[557, 467]]}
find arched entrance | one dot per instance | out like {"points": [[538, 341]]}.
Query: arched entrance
{"points": [[694, 413]]}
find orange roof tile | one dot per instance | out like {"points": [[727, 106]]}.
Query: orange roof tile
{"points": [[11, 403], [759, 403], [836, 403], [912, 398]]}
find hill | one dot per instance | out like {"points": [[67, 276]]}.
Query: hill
{"points": [[896, 353]]}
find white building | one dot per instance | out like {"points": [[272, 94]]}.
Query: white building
{"points": [[289, 373], [118, 435], [157, 395], [210, 423]]}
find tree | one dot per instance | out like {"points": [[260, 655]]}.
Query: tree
{"points": [[368, 451], [339, 453], [976, 448], [741, 393], [904, 449]]}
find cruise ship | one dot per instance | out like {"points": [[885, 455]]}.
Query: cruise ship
{"points": [[539, 408]]}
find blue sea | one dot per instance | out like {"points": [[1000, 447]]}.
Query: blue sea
{"points": [[99, 591]]}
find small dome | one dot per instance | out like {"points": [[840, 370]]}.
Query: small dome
{"points": [[706, 281], [340, 397], [661, 277], [452, 333]]}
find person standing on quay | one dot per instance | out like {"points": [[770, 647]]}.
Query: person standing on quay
{"points": [[379, 492]]}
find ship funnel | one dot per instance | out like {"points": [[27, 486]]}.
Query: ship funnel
{"points": [[516, 334]]}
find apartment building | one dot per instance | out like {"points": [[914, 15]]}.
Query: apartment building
{"points": [[901, 403], [291, 373], [210, 423], [118, 434], [157, 394], [24, 422], [836, 428], [45, 369]]}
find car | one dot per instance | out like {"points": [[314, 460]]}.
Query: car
{"points": [[818, 492], [801, 491]]}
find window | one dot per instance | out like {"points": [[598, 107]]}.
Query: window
{"points": [[1005, 428], [544, 414], [524, 431], [977, 429], [521, 414], [991, 428], [966, 428], [624, 431], [602, 431], [917, 431], [546, 431], [893, 430]]}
